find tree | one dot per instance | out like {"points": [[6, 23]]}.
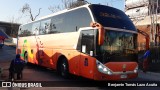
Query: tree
{"points": [[55, 8], [14, 26], [26, 9], [77, 3], [67, 4]]}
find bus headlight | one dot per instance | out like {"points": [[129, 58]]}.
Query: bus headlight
{"points": [[103, 69], [136, 69]]}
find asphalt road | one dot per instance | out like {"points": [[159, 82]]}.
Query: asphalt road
{"points": [[36, 73]]}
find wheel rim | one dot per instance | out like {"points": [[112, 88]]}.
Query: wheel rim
{"points": [[64, 68]]}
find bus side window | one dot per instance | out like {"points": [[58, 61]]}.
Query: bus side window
{"points": [[35, 28], [45, 27], [20, 32]]}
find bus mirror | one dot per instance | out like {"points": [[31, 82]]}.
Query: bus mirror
{"points": [[101, 32]]}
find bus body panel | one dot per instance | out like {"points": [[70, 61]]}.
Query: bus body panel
{"points": [[73, 57], [103, 77], [121, 66], [119, 73], [87, 66]]}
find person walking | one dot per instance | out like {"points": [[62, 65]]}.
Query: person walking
{"points": [[146, 60]]}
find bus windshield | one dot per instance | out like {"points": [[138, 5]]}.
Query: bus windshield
{"points": [[111, 17], [118, 47], [118, 42]]}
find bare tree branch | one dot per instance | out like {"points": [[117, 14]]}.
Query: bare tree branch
{"points": [[67, 4], [26, 9], [31, 16], [14, 28], [55, 8], [37, 14]]}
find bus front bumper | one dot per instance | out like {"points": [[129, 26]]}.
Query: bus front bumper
{"points": [[116, 71], [115, 76]]}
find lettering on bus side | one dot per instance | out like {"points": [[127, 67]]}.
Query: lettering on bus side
{"points": [[104, 14]]}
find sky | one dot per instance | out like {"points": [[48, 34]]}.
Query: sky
{"points": [[10, 9]]}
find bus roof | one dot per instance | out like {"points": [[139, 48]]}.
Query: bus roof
{"points": [[66, 10], [63, 11]]}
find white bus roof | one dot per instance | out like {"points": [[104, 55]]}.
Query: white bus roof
{"points": [[63, 11]]}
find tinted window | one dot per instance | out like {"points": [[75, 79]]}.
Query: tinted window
{"points": [[71, 21], [35, 28], [66, 22], [45, 27], [111, 17], [119, 41], [118, 46], [25, 30]]}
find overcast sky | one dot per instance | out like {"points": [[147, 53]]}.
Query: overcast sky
{"points": [[10, 9]]}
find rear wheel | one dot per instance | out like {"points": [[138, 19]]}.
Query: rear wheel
{"points": [[64, 70]]}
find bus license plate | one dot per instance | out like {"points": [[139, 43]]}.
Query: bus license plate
{"points": [[123, 76]]}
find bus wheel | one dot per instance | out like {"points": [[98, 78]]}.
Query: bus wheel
{"points": [[26, 57], [64, 71]]}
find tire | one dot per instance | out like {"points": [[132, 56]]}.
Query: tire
{"points": [[64, 70], [26, 57]]}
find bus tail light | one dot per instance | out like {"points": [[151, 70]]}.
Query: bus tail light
{"points": [[103, 69]]}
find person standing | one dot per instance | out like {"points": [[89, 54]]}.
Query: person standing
{"points": [[16, 67], [11, 70], [146, 60]]}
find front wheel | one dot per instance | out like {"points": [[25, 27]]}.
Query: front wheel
{"points": [[64, 70]]}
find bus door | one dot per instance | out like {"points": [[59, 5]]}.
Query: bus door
{"points": [[87, 49]]}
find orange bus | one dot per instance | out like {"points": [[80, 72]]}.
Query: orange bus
{"points": [[93, 41]]}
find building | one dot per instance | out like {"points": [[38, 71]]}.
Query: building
{"points": [[11, 29], [145, 15]]}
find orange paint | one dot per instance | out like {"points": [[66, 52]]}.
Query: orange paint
{"points": [[101, 32]]}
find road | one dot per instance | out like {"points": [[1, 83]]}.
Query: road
{"points": [[36, 73]]}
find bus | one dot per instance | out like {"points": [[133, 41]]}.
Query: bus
{"points": [[92, 41]]}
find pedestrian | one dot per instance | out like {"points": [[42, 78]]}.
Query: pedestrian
{"points": [[146, 60], [16, 67], [11, 70], [1, 41]]}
